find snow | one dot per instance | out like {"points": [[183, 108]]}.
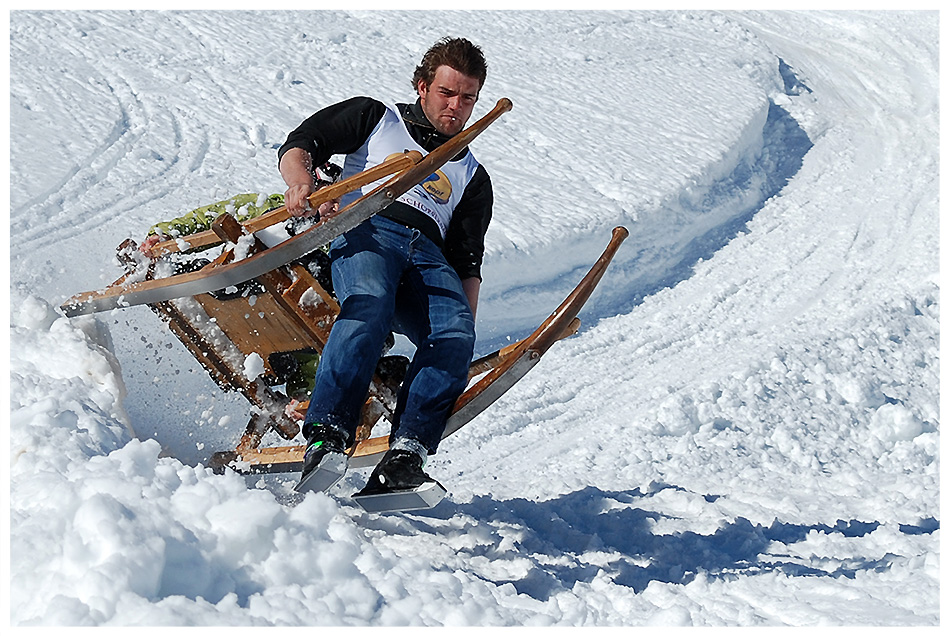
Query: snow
{"points": [[744, 432]]}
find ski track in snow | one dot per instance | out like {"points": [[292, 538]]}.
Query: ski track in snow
{"points": [[745, 432]]}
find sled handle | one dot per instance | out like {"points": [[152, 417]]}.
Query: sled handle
{"points": [[411, 174], [549, 330]]}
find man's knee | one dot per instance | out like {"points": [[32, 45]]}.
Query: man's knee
{"points": [[367, 306], [455, 338]]}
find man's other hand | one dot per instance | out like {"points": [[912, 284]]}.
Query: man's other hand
{"points": [[297, 202]]}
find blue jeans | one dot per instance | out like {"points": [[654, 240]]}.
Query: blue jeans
{"points": [[388, 277]]}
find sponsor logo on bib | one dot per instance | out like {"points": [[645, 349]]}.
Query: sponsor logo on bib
{"points": [[438, 186]]}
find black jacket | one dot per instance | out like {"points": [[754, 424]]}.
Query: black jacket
{"points": [[344, 127]]}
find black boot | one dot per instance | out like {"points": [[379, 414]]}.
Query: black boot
{"points": [[398, 483], [399, 470], [324, 462]]}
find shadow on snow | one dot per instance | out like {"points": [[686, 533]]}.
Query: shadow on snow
{"points": [[559, 535]]}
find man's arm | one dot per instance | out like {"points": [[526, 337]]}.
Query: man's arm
{"points": [[338, 129], [465, 239], [471, 287], [296, 167]]}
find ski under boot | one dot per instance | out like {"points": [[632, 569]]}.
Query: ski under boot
{"points": [[398, 483], [324, 462]]}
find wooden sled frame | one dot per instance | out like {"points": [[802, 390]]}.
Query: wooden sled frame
{"points": [[290, 311]]}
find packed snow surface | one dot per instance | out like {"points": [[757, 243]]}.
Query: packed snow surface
{"points": [[744, 432]]}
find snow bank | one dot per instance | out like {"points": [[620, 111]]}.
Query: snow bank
{"points": [[109, 530]]}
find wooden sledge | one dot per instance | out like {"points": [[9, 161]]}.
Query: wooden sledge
{"points": [[288, 310], [292, 311]]}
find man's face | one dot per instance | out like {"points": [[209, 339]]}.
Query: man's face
{"points": [[448, 101]]}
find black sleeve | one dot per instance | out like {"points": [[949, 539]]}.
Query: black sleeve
{"points": [[465, 238], [335, 130]]}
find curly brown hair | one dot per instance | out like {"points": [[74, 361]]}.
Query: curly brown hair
{"points": [[457, 53]]}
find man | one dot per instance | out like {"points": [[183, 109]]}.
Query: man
{"points": [[414, 268]]}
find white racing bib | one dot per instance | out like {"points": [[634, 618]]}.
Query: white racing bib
{"points": [[436, 196]]}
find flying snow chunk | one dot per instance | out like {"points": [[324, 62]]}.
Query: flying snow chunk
{"points": [[253, 366]]}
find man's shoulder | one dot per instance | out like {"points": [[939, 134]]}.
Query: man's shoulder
{"points": [[406, 111], [362, 103], [356, 115], [364, 99]]}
